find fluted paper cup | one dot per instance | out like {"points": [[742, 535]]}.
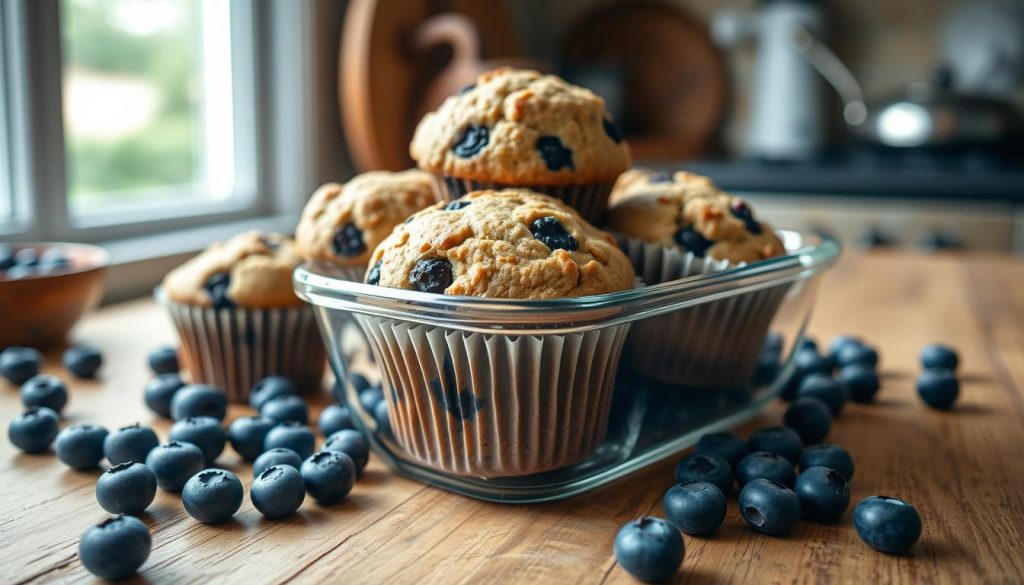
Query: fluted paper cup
{"points": [[591, 201], [491, 405]]}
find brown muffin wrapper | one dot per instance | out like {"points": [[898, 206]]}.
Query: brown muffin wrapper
{"points": [[591, 201], [711, 345], [495, 405], [232, 349]]}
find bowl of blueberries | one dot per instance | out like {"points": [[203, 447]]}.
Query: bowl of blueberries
{"points": [[45, 288]]}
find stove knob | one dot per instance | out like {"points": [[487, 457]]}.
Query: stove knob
{"points": [[938, 239], [873, 237]]}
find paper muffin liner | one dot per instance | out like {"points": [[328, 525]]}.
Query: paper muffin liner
{"points": [[712, 345], [591, 201], [491, 405], [232, 349]]}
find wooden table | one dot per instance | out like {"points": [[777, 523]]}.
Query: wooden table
{"points": [[963, 470]]}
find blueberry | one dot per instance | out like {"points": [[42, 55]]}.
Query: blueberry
{"points": [[329, 476], [938, 388], [81, 446], [115, 548], [291, 435], [807, 342], [130, 443], [45, 390], [6, 256], [824, 493], [856, 353], [164, 360], [552, 234], [160, 391], [334, 418], [32, 431], [286, 409], [769, 507], [741, 211], [939, 356], [695, 507], [767, 367], [83, 361], [836, 343], [19, 271], [459, 402], [828, 455], [433, 275], [198, 400], [18, 364], [773, 341], [472, 141], [204, 432], [807, 361], [457, 205], [705, 467], [212, 495], [370, 397], [555, 154], [126, 488], [269, 388], [352, 444], [273, 457], [764, 465], [779, 440], [810, 418], [691, 241], [373, 277], [26, 257], [861, 382], [358, 381], [348, 241], [612, 130], [726, 445], [278, 491], [247, 434], [661, 177], [174, 463], [217, 287], [650, 549], [824, 388], [887, 524], [380, 416]]}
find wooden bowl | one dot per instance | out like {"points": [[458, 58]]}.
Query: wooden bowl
{"points": [[39, 309]]}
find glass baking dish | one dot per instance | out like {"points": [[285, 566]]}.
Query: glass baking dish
{"points": [[527, 400]]}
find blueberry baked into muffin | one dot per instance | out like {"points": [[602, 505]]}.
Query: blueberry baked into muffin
{"points": [[519, 128], [342, 224], [238, 318]]}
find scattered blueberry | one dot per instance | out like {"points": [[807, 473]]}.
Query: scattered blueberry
{"points": [[212, 495], [472, 141], [380, 416], [810, 418], [938, 388], [940, 357], [286, 409], [44, 390], [861, 382], [726, 445], [174, 463], [160, 391], [556, 156], [824, 388], [83, 361], [247, 434], [204, 432], [373, 277], [824, 493], [335, 417], [26, 257], [807, 342], [370, 397], [273, 457], [769, 506], [115, 548], [352, 444], [705, 467], [329, 476], [358, 381], [348, 241], [856, 353], [269, 388], [291, 435], [764, 465], [164, 360], [650, 549], [33, 430], [807, 361], [695, 507], [828, 455], [130, 443], [6, 256], [432, 276], [198, 400], [612, 130], [126, 488], [217, 287], [692, 241], [18, 364], [741, 211], [779, 440], [887, 524], [550, 232], [278, 491], [456, 205], [81, 446]]}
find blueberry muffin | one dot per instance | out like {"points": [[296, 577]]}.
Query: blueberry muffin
{"points": [[518, 128], [342, 224], [505, 244]]}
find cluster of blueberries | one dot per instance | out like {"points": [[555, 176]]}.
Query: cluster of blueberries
{"points": [[772, 495], [278, 442], [15, 264]]}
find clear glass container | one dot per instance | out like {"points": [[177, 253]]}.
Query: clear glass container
{"points": [[529, 401]]}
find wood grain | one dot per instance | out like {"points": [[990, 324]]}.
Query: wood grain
{"points": [[964, 470]]}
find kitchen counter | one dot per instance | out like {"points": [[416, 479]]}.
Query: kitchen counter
{"points": [[963, 470]]}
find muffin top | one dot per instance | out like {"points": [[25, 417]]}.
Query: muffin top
{"points": [[342, 224], [507, 244], [251, 270], [688, 211], [518, 127]]}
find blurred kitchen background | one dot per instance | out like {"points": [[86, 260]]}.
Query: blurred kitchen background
{"points": [[156, 126]]}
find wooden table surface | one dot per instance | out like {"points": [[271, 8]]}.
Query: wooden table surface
{"points": [[963, 470]]}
